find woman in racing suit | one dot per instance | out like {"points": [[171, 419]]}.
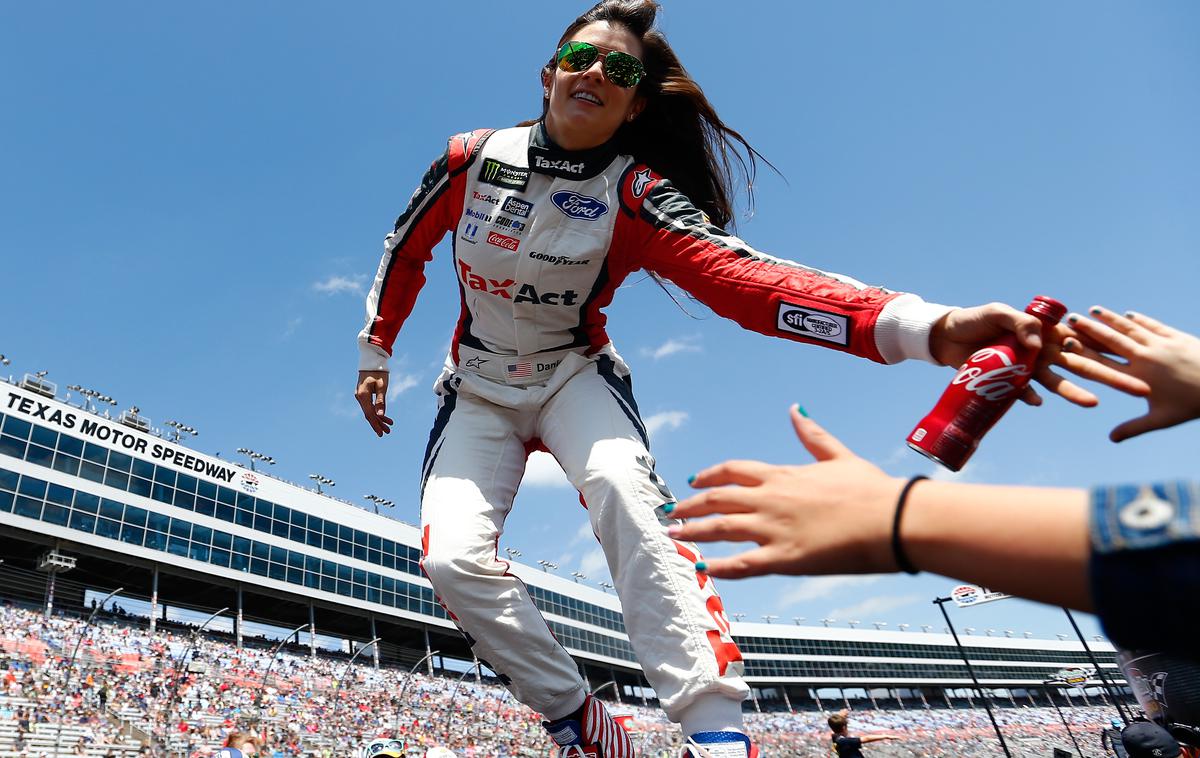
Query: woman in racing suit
{"points": [[626, 169]]}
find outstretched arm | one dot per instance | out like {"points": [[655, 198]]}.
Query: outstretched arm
{"points": [[1143, 357], [835, 517], [672, 238]]}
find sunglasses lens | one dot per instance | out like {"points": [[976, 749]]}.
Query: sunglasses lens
{"points": [[623, 69], [576, 56]]}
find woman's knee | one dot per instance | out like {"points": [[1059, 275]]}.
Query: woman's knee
{"points": [[449, 565], [623, 465]]}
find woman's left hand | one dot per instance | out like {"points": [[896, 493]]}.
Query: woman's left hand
{"points": [[830, 517], [961, 332]]}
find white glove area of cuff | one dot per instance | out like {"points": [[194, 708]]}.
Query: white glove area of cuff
{"points": [[371, 358], [902, 330]]}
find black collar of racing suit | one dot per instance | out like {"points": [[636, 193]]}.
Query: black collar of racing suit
{"points": [[545, 157]]}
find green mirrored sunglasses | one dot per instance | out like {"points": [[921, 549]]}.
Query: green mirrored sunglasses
{"points": [[622, 69]]}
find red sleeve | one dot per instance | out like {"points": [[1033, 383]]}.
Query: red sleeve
{"points": [[434, 209], [667, 235]]}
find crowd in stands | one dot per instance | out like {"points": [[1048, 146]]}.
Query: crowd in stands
{"points": [[130, 687]]}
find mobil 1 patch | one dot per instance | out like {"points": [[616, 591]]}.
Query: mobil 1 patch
{"points": [[814, 324]]}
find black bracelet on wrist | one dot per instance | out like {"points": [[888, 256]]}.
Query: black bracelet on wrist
{"points": [[898, 553]]}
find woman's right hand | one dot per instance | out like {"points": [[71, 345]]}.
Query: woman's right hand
{"points": [[371, 395], [1160, 363]]}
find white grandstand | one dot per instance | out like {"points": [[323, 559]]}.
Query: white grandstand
{"points": [[179, 529]]}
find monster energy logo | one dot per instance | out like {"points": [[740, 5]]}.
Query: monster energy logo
{"points": [[503, 175]]}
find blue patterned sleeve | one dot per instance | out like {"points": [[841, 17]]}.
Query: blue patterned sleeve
{"points": [[1146, 563]]}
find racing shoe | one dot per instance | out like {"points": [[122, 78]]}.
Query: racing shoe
{"points": [[719, 745], [595, 734]]}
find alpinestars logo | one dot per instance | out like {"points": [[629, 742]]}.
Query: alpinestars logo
{"points": [[503, 175], [565, 166], [641, 180]]}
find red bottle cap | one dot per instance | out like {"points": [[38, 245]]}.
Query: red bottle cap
{"points": [[1048, 308]]}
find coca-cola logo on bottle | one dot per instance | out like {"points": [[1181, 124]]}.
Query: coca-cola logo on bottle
{"points": [[992, 383]]}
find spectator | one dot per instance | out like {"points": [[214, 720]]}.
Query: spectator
{"points": [[1111, 739], [488, 722], [1144, 546], [1145, 740], [845, 745], [249, 744]]}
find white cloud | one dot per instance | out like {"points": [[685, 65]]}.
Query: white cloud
{"points": [[400, 383], [674, 345], [967, 473], [336, 285], [665, 420], [542, 470], [817, 587], [899, 454], [872, 605], [292, 325], [594, 565], [584, 533], [344, 405]]}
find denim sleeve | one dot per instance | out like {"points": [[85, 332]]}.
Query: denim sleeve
{"points": [[1145, 564]]}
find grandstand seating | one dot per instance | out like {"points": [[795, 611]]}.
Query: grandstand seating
{"points": [[189, 706]]}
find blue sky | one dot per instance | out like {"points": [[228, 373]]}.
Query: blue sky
{"points": [[192, 200]]}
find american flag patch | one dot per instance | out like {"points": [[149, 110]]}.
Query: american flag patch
{"points": [[520, 370]]}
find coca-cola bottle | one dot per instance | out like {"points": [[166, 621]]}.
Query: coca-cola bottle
{"points": [[986, 386]]}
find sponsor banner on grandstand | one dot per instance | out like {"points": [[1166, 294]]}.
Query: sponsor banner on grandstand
{"points": [[1074, 675], [965, 595], [54, 414]]}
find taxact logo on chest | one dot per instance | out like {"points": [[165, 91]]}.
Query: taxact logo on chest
{"points": [[559, 165], [526, 293]]}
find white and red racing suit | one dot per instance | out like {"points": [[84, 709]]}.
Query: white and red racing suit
{"points": [[542, 239]]}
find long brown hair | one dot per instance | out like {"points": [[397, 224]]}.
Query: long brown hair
{"points": [[678, 134]]}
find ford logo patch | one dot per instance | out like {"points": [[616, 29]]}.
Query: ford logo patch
{"points": [[576, 205]]}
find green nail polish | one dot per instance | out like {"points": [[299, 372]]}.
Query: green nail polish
{"points": [[668, 507], [1072, 319], [701, 566], [1094, 310], [803, 412], [691, 479], [1130, 314]]}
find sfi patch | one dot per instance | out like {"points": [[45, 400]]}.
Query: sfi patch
{"points": [[813, 324]]}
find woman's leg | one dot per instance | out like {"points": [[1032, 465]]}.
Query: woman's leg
{"points": [[473, 465], [673, 615]]}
